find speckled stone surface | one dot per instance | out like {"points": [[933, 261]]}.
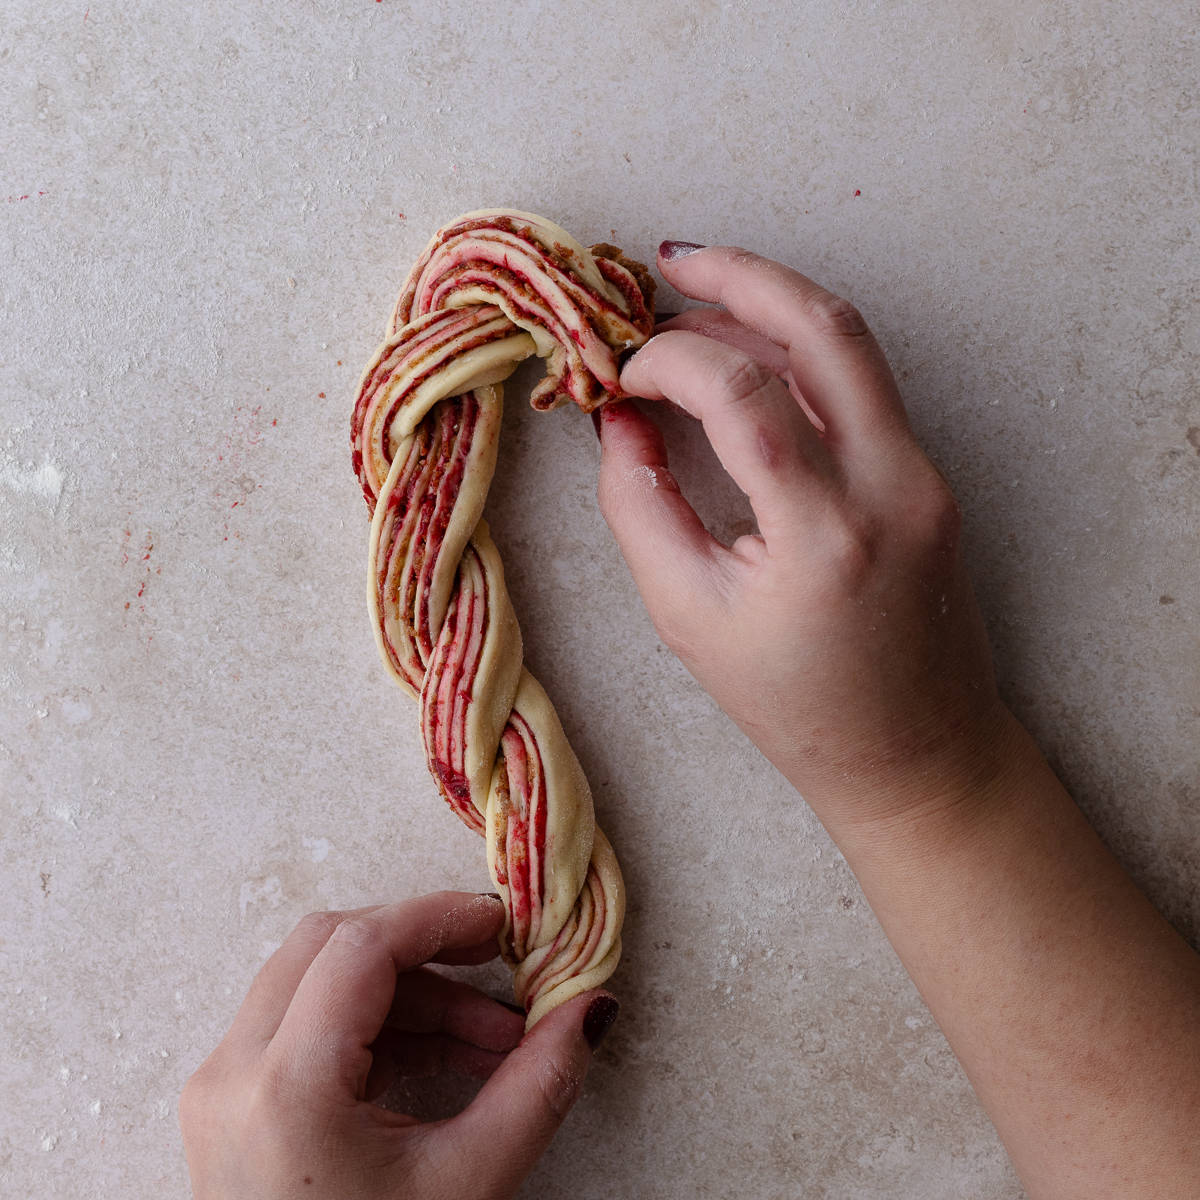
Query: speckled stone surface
{"points": [[206, 212]]}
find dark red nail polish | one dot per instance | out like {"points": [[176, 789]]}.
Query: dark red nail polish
{"points": [[516, 1008], [598, 1019], [670, 251], [596, 422], [659, 318], [625, 356]]}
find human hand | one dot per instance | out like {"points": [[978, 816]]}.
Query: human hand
{"points": [[283, 1107], [843, 637]]}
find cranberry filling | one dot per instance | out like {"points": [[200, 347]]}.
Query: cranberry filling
{"points": [[549, 287]]}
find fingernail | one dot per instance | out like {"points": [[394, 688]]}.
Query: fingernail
{"points": [[598, 1019], [626, 355], [670, 251], [517, 1008], [659, 318], [493, 895], [596, 423]]}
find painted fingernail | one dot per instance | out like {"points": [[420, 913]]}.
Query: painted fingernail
{"points": [[670, 251], [596, 423], [598, 1019], [659, 318], [492, 895], [517, 1008]]}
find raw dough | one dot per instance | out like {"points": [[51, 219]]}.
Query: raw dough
{"points": [[492, 288]]}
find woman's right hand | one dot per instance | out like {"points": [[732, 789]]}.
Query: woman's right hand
{"points": [[285, 1105]]}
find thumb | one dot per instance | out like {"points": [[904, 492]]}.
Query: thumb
{"points": [[508, 1126]]}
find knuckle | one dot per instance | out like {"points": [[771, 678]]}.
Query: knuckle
{"points": [[358, 931], [851, 551], [945, 514], [269, 1087], [194, 1101], [558, 1086], [685, 613], [208, 1096], [741, 379], [933, 515], [775, 446], [318, 926], [276, 1086], [941, 517], [740, 257], [836, 316]]}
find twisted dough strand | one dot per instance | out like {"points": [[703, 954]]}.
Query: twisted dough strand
{"points": [[491, 289]]}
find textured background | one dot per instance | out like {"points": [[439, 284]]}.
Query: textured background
{"points": [[206, 212]]}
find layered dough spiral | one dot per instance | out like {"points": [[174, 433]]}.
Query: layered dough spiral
{"points": [[492, 288]]}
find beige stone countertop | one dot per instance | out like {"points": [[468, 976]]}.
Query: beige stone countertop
{"points": [[206, 212]]}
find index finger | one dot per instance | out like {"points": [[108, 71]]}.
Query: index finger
{"points": [[835, 360], [276, 983], [763, 439], [344, 998]]}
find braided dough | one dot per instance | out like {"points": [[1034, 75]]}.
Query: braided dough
{"points": [[491, 289]]}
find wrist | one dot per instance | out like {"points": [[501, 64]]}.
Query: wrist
{"points": [[949, 784]]}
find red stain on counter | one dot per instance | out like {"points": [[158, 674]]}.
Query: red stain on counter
{"points": [[147, 551], [234, 482]]}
